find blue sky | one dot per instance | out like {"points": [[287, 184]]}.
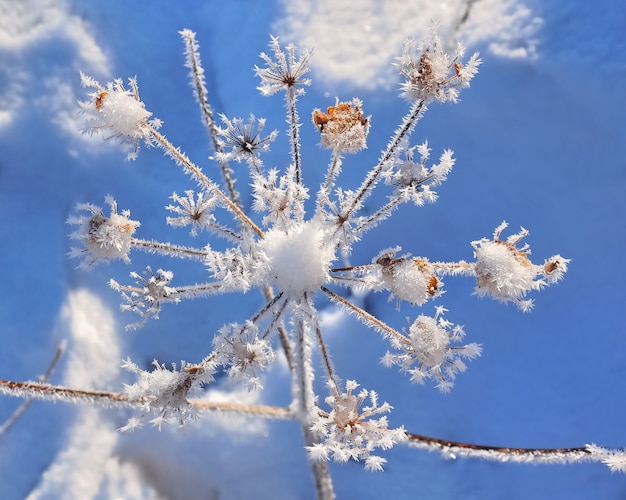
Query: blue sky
{"points": [[537, 142]]}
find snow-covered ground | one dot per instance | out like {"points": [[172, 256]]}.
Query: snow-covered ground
{"points": [[537, 139]]}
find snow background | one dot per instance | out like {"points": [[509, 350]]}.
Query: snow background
{"points": [[537, 142]]}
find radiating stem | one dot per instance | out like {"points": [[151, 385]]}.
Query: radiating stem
{"points": [[305, 400], [364, 316], [381, 214], [168, 249], [195, 171], [409, 122], [328, 363], [331, 174]]}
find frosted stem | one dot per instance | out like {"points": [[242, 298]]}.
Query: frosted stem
{"points": [[409, 122], [168, 249], [305, 399], [42, 379], [294, 129], [196, 72], [35, 390], [454, 449], [365, 317], [380, 215]]}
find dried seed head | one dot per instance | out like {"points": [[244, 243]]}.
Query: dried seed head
{"points": [[343, 127]]}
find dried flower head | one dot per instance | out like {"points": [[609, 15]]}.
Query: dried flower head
{"points": [[243, 353], [343, 127], [104, 238], [428, 353], [415, 181], [119, 112], [349, 431], [408, 279], [195, 211], [166, 392], [506, 273], [284, 71], [148, 294], [431, 74]]}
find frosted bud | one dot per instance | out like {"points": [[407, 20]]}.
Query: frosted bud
{"points": [[429, 351], [350, 431], [104, 238], [243, 353], [343, 127], [506, 273], [409, 279], [431, 74], [554, 268], [119, 111]]}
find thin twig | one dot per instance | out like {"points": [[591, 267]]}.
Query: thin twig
{"points": [[366, 317], [168, 249], [290, 97], [8, 423], [452, 449], [200, 91], [35, 390]]}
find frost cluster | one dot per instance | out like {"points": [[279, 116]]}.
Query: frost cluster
{"points": [[104, 238], [350, 431], [291, 256]]}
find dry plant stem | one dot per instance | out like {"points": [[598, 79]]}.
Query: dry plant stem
{"points": [[323, 481], [197, 173], [328, 364], [305, 400], [405, 129], [465, 16], [276, 320], [226, 232], [168, 249], [380, 215], [42, 379], [500, 454], [49, 392], [282, 333], [292, 118], [207, 113], [461, 267], [331, 173], [187, 292], [364, 316], [266, 308], [36, 390]]}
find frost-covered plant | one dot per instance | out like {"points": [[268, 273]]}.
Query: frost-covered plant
{"points": [[290, 255]]}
